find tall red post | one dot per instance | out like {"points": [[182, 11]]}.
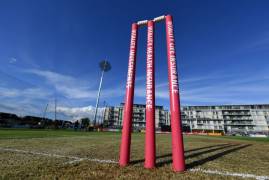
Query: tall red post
{"points": [[129, 98], [150, 101], [176, 128]]}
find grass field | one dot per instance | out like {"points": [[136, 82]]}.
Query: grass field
{"points": [[49, 154]]}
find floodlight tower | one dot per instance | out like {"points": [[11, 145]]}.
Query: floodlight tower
{"points": [[45, 111], [44, 114], [105, 67]]}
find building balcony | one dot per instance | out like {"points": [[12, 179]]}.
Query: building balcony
{"points": [[236, 115], [239, 124], [238, 119]]}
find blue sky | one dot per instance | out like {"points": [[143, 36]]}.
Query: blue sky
{"points": [[51, 48]]}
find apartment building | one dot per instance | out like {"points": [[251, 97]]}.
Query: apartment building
{"points": [[227, 118], [113, 116], [223, 118]]}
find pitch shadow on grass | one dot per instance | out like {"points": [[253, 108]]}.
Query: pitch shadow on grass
{"points": [[187, 151], [216, 156], [193, 155], [199, 162]]}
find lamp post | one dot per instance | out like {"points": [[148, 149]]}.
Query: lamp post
{"points": [[105, 67]]}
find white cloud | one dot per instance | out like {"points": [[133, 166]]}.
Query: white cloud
{"points": [[27, 101], [28, 93], [77, 113], [69, 86], [74, 88], [12, 60], [32, 101], [21, 107]]}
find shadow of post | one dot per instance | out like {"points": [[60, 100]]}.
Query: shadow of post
{"points": [[187, 151], [206, 147], [209, 151], [216, 156], [159, 164]]}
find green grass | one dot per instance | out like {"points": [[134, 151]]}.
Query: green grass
{"points": [[41, 133], [240, 138], [231, 154]]}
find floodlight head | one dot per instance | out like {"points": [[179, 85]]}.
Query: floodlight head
{"points": [[105, 65]]}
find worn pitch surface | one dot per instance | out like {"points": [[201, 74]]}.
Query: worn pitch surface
{"points": [[48, 154]]}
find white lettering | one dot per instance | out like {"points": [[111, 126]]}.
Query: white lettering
{"points": [[172, 59], [131, 60], [149, 83]]}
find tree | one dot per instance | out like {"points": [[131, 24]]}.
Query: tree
{"points": [[85, 122]]}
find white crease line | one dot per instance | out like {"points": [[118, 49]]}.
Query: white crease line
{"points": [[230, 174], [92, 160], [76, 159]]}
